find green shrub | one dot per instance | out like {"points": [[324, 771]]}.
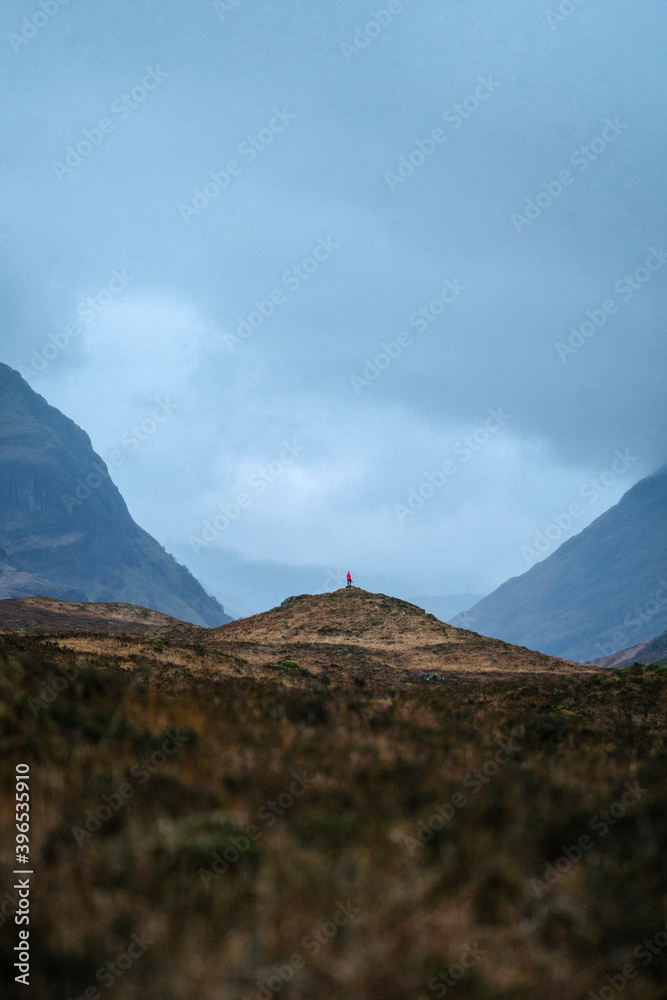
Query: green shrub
{"points": [[155, 642]]}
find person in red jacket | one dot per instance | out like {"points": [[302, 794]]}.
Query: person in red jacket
{"points": [[349, 579]]}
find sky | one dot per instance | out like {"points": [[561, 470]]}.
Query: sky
{"points": [[341, 286]]}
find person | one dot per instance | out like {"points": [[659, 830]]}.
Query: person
{"points": [[349, 579]]}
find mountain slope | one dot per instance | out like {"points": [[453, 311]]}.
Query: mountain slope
{"points": [[653, 651], [601, 591], [65, 530], [47, 614], [356, 628]]}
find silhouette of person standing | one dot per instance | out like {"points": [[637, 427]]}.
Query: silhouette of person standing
{"points": [[349, 579]]}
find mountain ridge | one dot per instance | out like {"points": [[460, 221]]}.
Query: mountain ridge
{"points": [[652, 651], [601, 591], [65, 528]]}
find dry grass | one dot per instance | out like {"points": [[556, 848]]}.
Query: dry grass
{"points": [[362, 630], [348, 630], [377, 759], [47, 614]]}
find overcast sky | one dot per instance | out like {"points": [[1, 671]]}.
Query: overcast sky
{"points": [[340, 257]]}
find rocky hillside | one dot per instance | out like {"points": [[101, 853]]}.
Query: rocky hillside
{"points": [[602, 591], [65, 530]]}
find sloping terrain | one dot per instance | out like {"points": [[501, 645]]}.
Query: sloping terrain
{"points": [[45, 614], [351, 614], [601, 591], [355, 627], [65, 530], [345, 634], [653, 651]]}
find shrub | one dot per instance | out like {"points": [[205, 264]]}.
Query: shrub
{"points": [[155, 643]]}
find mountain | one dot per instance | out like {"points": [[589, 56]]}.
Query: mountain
{"points": [[601, 591], [65, 530], [653, 651]]}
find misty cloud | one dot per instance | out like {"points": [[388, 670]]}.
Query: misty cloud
{"points": [[207, 155]]}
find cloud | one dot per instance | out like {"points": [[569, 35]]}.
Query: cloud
{"points": [[321, 180]]}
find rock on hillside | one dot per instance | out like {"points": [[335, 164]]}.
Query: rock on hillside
{"points": [[65, 530], [601, 591]]}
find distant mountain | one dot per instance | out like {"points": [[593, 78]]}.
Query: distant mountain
{"points": [[65, 530], [653, 651], [602, 591]]}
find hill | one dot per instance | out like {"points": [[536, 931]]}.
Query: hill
{"points": [[46, 614], [601, 591], [345, 635], [65, 530], [356, 628]]}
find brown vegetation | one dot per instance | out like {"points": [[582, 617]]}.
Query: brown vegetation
{"points": [[197, 750], [46, 614]]}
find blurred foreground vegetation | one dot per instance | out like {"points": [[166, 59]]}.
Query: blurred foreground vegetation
{"points": [[301, 838]]}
